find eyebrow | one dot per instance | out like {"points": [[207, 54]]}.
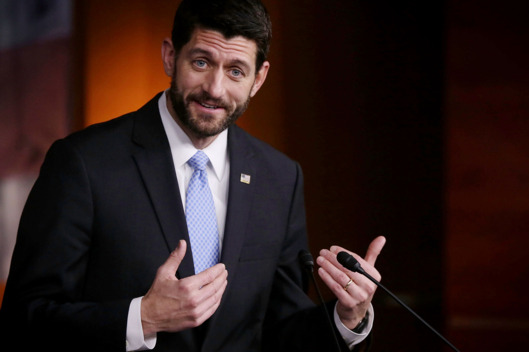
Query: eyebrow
{"points": [[207, 53]]}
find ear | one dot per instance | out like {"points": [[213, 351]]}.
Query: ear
{"points": [[168, 57], [260, 78]]}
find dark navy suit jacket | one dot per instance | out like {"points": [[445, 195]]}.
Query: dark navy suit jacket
{"points": [[106, 212]]}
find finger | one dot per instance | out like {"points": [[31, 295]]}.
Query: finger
{"points": [[329, 281], [374, 249], [172, 263], [334, 285], [331, 257], [214, 302], [327, 260], [337, 249], [210, 296], [209, 275], [368, 267], [360, 286], [350, 288], [215, 290]]}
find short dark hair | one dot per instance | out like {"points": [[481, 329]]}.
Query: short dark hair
{"points": [[246, 18]]}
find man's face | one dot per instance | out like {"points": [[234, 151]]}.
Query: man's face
{"points": [[213, 80]]}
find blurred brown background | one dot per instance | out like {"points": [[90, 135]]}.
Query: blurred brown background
{"points": [[410, 120]]}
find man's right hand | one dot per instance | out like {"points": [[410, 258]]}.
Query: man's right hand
{"points": [[174, 305]]}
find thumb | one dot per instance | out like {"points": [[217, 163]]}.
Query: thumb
{"points": [[175, 258], [374, 249]]}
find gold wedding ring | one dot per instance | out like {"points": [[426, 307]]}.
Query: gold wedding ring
{"points": [[348, 284]]}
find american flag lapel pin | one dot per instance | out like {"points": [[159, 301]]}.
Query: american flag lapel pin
{"points": [[245, 179]]}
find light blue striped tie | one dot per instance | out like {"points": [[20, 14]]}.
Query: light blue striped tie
{"points": [[200, 215]]}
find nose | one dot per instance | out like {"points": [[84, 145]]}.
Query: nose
{"points": [[214, 84]]}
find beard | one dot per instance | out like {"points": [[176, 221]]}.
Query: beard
{"points": [[204, 125]]}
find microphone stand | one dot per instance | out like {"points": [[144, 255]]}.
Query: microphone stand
{"points": [[308, 264]]}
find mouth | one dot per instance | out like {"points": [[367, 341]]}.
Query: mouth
{"points": [[210, 107], [207, 106]]}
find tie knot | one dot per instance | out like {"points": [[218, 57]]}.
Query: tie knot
{"points": [[199, 160]]}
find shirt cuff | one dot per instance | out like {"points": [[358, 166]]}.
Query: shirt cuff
{"points": [[352, 338], [135, 339]]}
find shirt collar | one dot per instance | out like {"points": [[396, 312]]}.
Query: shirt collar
{"points": [[182, 148]]}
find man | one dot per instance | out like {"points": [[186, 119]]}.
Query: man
{"points": [[108, 255]]}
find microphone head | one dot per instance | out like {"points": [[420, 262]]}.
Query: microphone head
{"points": [[348, 261], [305, 258]]}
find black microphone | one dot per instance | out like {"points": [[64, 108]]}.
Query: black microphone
{"points": [[349, 262], [306, 261]]}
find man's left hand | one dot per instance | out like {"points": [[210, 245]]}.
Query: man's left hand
{"points": [[353, 290]]}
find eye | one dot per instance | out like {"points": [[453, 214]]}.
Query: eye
{"points": [[236, 73], [200, 63]]}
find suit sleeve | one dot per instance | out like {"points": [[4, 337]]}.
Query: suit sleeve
{"points": [[44, 294], [293, 322]]}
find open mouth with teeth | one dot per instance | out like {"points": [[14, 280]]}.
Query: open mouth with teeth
{"points": [[207, 106]]}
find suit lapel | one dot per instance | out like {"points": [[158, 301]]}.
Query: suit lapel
{"points": [[242, 165], [155, 164]]}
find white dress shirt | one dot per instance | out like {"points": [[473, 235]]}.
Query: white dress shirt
{"points": [[218, 170]]}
